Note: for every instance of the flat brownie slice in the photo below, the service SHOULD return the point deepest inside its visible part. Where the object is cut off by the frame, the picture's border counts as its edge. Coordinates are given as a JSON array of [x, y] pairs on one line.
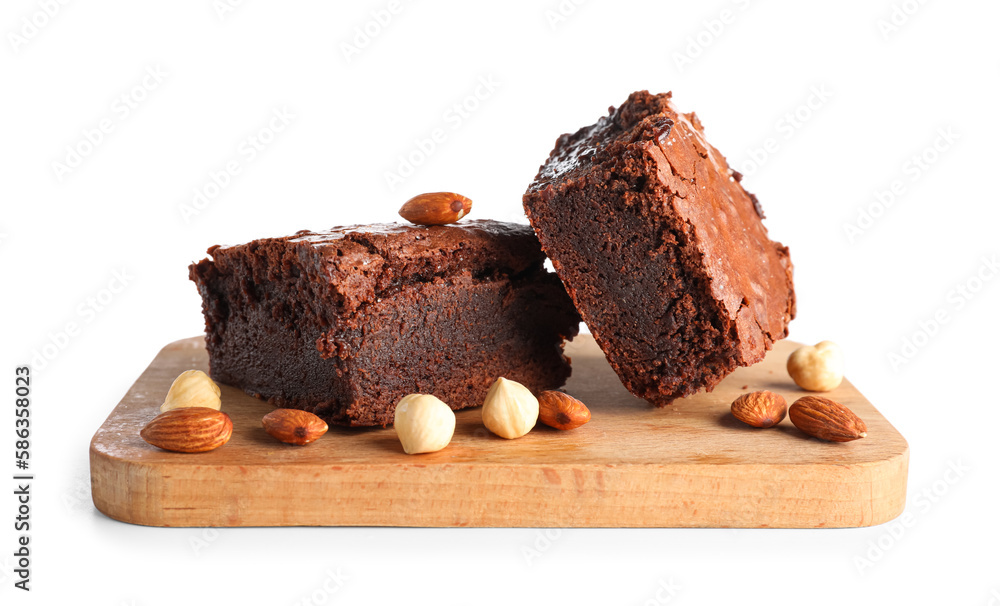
[[661, 249], [345, 322]]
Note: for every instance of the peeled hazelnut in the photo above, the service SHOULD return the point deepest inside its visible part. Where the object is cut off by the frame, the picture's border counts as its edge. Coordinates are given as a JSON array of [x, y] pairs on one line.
[[423, 423], [193, 388], [510, 410], [817, 368]]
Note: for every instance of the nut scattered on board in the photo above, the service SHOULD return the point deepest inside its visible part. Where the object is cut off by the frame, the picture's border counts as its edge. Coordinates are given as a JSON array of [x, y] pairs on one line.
[[825, 419], [293, 426], [817, 367], [438, 208], [510, 410], [760, 408], [423, 423], [192, 388], [191, 429], [562, 411]]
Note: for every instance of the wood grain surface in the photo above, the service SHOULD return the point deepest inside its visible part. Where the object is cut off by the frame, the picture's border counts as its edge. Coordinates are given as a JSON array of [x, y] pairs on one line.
[[690, 464]]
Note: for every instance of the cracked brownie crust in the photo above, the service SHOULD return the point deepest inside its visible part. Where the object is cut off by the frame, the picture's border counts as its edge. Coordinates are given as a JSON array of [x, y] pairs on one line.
[[345, 322], [661, 249]]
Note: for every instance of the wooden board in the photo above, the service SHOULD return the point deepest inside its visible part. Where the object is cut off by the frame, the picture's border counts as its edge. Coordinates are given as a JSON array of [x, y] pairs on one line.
[[690, 464]]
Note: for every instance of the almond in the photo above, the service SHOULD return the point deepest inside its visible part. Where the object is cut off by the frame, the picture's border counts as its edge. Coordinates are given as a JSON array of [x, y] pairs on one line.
[[192, 429], [827, 420], [561, 411], [439, 208], [293, 426], [760, 408]]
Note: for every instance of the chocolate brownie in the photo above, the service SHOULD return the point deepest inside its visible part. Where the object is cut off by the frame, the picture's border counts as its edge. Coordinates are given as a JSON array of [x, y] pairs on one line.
[[347, 321], [661, 249]]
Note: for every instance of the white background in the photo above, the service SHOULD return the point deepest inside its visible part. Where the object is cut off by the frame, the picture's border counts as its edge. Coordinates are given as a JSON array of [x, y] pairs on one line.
[[880, 94]]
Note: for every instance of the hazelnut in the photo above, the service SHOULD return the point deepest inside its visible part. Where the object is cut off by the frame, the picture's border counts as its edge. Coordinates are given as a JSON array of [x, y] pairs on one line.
[[423, 423], [817, 368], [510, 410], [192, 388]]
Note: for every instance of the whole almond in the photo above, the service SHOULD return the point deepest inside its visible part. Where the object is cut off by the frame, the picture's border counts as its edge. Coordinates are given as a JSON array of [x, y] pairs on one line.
[[192, 429], [561, 411], [760, 408], [293, 426], [439, 208], [827, 420]]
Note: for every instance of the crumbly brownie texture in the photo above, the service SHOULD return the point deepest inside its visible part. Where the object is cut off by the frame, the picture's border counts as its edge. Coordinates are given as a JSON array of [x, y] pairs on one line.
[[345, 322], [661, 249]]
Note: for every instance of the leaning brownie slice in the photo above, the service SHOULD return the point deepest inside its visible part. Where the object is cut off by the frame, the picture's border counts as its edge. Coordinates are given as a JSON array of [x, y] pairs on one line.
[[661, 249], [345, 322]]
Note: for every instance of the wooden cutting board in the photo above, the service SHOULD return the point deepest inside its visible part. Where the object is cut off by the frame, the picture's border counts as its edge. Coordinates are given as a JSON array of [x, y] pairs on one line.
[[690, 464]]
